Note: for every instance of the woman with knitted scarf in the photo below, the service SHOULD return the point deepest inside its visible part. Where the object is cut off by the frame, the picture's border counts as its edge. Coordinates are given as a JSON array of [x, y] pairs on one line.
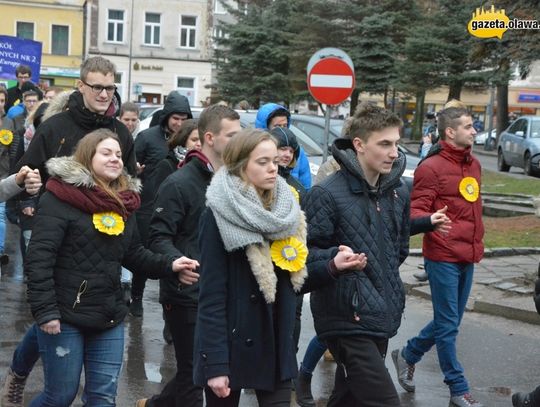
[[253, 253], [84, 233]]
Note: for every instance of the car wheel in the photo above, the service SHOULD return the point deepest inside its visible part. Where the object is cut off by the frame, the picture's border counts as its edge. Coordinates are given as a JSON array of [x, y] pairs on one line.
[[527, 166], [501, 164]]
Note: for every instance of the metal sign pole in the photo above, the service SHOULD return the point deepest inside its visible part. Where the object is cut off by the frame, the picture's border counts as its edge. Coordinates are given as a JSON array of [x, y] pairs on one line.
[[326, 132]]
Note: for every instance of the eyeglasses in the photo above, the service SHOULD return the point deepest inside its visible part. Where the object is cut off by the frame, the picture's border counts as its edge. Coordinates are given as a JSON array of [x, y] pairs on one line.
[[97, 89]]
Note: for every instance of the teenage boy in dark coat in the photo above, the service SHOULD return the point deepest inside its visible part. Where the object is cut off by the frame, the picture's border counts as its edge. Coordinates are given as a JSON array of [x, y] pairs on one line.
[[362, 209], [150, 148], [174, 230]]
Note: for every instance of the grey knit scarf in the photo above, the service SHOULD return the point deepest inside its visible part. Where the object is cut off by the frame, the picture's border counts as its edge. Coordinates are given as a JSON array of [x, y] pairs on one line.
[[241, 218]]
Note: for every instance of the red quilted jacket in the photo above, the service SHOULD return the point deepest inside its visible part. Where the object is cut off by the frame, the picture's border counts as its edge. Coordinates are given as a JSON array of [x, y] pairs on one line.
[[436, 184]]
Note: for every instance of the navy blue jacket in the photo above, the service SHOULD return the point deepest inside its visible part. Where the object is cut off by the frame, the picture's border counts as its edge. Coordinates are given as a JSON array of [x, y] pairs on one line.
[[237, 333]]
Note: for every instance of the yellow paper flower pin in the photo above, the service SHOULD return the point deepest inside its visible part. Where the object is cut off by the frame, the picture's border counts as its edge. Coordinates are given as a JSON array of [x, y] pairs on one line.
[[109, 223], [469, 189], [289, 254], [295, 193], [6, 137]]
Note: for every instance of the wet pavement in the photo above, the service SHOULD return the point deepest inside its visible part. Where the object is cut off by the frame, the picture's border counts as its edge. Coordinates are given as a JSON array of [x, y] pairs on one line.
[[500, 355]]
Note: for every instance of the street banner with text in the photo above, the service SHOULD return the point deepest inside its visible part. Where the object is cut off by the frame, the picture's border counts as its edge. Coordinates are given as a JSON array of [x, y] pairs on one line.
[[17, 51]]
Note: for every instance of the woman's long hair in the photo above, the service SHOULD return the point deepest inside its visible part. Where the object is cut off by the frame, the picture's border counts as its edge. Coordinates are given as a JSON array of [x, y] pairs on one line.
[[181, 137], [236, 156], [84, 153]]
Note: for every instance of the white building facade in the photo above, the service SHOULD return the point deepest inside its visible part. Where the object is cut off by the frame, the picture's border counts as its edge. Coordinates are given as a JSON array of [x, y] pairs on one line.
[[157, 46]]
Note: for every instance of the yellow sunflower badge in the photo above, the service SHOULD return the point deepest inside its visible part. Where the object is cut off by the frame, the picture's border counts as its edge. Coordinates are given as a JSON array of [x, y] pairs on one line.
[[469, 189], [109, 223], [289, 254], [295, 193], [6, 137]]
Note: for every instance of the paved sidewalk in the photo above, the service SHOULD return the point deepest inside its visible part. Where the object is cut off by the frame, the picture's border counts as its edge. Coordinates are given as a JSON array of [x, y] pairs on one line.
[[503, 284]]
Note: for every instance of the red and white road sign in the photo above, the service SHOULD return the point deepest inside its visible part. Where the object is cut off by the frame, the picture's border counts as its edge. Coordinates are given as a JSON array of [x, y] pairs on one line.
[[331, 80]]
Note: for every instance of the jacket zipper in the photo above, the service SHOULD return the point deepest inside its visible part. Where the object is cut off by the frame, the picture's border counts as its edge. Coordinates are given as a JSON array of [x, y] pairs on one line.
[[82, 290], [380, 244]]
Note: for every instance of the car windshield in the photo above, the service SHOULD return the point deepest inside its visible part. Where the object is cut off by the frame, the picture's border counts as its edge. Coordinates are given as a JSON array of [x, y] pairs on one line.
[[535, 128]]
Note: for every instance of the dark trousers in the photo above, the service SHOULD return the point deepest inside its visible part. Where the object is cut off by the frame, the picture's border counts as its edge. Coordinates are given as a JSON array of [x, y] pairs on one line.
[[280, 397], [298, 320], [138, 281], [180, 390], [535, 397], [362, 379]]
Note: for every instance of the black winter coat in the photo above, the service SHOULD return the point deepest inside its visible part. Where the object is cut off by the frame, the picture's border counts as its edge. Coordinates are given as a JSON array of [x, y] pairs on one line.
[[59, 135], [74, 270], [236, 333], [343, 210], [151, 147], [174, 228]]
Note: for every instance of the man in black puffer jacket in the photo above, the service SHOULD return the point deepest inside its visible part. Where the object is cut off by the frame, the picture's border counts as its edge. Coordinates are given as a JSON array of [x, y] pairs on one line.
[[150, 148], [358, 229]]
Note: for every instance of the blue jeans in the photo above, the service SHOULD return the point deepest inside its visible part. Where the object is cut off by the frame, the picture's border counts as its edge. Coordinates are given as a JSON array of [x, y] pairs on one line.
[[450, 285], [27, 353], [2, 226], [63, 357], [314, 352]]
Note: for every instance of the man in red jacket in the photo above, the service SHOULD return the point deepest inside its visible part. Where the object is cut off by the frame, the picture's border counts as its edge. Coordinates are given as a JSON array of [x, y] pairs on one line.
[[449, 176]]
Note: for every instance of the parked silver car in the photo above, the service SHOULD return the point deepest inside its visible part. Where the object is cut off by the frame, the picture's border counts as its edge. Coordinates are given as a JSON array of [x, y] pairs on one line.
[[518, 143]]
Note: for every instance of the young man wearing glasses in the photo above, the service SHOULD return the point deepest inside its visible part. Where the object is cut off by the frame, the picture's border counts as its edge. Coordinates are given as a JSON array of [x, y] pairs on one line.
[[92, 106], [24, 74]]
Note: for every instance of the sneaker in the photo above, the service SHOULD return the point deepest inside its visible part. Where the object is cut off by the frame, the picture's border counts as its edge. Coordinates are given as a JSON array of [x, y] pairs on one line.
[[136, 308], [521, 400], [465, 400], [141, 403], [405, 372], [421, 276], [12, 391]]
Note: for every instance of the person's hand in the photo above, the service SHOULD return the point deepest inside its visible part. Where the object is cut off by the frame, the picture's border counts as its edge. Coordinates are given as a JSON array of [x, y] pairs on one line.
[[21, 175], [220, 386], [346, 259], [32, 182], [440, 221], [185, 267], [51, 327], [140, 168], [28, 211]]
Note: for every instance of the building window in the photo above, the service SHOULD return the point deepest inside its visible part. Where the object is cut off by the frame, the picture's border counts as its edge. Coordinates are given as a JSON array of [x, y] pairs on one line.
[[186, 86], [152, 26], [115, 26], [219, 8], [25, 30], [188, 30], [60, 40]]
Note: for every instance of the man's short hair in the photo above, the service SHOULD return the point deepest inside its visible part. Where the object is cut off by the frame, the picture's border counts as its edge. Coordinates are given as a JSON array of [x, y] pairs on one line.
[[281, 112], [30, 93], [210, 119], [129, 107], [368, 118], [23, 69], [450, 115], [97, 64]]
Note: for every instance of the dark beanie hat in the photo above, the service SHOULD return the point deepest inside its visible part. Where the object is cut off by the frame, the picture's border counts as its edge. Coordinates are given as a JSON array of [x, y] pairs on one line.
[[286, 138]]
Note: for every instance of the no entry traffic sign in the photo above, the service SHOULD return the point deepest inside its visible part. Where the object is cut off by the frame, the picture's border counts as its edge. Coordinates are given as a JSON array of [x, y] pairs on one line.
[[330, 77]]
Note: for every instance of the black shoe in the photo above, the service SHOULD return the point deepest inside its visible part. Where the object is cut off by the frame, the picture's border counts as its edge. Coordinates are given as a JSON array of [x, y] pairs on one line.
[[167, 336], [136, 308], [302, 386], [126, 292], [521, 400], [4, 259]]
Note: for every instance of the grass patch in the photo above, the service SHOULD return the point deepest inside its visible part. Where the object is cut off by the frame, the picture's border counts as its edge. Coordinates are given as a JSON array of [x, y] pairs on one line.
[[520, 231], [500, 183]]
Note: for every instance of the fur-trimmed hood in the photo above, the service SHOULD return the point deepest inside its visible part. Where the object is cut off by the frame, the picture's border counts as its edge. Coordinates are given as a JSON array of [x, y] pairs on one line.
[[57, 104], [74, 173]]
